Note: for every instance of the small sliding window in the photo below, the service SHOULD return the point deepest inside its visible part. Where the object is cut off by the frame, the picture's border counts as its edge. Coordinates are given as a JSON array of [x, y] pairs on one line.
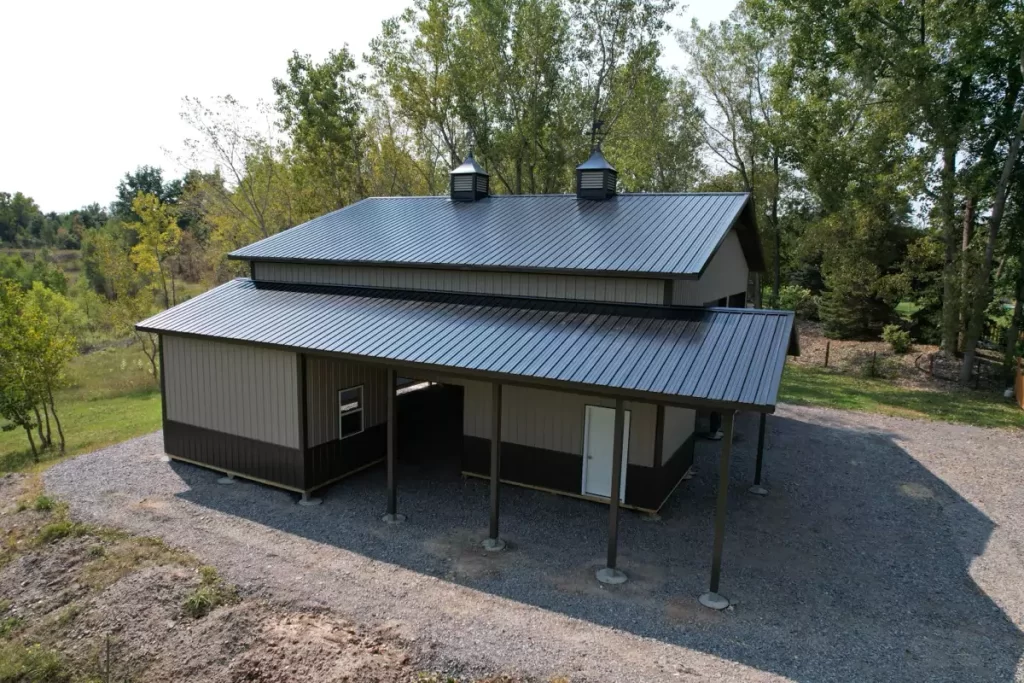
[[350, 412]]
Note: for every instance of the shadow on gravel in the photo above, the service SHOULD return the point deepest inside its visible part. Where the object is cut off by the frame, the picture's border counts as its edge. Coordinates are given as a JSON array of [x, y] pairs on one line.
[[854, 568]]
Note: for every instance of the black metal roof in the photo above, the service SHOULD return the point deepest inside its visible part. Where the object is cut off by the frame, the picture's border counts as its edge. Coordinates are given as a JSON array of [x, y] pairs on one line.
[[596, 162], [687, 356], [468, 167], [652, 235]]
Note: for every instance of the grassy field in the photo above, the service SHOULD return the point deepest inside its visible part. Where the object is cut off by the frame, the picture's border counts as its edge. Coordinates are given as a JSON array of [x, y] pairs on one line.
[[820, 387], [112, 397]]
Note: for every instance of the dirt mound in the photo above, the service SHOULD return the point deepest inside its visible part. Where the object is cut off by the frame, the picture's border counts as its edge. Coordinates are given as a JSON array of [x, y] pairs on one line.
[[113, 607]]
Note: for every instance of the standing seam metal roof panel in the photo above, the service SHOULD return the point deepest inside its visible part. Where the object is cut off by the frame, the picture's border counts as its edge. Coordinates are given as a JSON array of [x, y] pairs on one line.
[[722, 357], [656, 235]]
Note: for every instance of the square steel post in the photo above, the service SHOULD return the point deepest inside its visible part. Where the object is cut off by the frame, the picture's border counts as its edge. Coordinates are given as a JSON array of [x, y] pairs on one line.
[[757, 489], [610, 574], [712, 599], [493, 542], [392, 515]]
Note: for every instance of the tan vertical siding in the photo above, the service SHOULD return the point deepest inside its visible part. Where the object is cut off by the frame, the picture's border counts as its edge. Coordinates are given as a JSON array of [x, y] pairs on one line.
[[679, 426], [727, 274], [552, 420], [325, 377], [540, 285], [232, 388]]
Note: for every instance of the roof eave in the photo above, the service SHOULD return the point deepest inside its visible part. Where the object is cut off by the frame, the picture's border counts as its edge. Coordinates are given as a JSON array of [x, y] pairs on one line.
[[654, 275], [505, 378]]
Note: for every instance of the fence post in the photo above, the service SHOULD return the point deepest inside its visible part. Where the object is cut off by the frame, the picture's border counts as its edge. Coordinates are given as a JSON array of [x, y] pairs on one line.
[[828, 349]]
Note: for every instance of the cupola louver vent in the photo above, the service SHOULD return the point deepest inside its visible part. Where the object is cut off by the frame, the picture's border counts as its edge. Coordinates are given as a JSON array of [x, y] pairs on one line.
[[469, 182], [595, 177]]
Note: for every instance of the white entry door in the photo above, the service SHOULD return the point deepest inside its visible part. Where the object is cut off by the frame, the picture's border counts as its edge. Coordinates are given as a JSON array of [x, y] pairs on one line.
[[598, 436]]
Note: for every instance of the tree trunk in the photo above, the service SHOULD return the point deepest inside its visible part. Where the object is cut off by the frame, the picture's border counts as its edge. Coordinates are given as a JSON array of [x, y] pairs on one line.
[[982, 288], [53, 409], [151, 354], [1013, 333], [965, 268], [950, 293], [39, 427], [49, 434], [778, 234], [31, 442]]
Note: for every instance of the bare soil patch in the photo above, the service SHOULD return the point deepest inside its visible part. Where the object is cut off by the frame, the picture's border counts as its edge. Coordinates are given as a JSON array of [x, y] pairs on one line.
[[915, 369], [110, 606]]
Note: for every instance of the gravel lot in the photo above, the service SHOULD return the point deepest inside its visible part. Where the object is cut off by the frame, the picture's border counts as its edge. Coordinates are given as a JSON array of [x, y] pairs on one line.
[[888, 549]]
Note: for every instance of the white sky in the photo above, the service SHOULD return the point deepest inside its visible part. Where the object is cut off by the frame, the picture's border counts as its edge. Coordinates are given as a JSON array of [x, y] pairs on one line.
[[92, 90]]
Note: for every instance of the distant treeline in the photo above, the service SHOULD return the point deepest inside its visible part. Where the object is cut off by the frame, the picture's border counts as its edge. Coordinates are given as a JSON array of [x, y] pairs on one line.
[[881, 142]]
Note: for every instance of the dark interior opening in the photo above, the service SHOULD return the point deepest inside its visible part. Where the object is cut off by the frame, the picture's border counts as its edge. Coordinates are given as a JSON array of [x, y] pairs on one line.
[[430, 424]]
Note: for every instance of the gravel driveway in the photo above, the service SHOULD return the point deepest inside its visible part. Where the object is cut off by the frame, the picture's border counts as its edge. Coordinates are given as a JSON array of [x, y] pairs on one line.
[[888, 549]]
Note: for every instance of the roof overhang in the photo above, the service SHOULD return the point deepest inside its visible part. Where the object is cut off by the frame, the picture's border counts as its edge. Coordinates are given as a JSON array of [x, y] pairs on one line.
[[745, 225], [693, 357], [643, 235]]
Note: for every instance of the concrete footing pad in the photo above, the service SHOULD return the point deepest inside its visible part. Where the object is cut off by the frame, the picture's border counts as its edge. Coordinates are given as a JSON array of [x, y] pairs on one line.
[[758, 490], [309, 501], [611, 576], [396, 518], [165, 458], [713, 601], [226, 480], [493, 545]]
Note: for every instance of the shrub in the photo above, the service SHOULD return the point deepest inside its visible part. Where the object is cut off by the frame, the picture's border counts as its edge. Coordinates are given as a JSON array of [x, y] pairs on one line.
[[794, 298], [9, 625], [210, 594], [201, 601], [897, 338], [43, 502], [55, 531]]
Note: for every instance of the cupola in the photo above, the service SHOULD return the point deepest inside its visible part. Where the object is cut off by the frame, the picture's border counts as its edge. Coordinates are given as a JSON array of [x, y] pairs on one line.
[[469, 181], [595, 177]]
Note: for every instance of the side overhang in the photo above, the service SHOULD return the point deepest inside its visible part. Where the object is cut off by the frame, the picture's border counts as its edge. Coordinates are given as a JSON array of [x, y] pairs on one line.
[[691, 357], [745, 225]]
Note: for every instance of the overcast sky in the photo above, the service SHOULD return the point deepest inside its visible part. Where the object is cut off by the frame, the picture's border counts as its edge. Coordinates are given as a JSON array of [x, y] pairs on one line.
[[93, 89]]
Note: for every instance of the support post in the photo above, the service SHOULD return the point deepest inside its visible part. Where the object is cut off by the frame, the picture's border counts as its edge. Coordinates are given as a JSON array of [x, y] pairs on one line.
[[712, 599], [392, 516], [610, 574], [757, 489], [493, 541]]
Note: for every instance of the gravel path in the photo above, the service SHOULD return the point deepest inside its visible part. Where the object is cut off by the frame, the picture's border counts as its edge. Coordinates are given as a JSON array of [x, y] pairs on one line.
[[888, 549]]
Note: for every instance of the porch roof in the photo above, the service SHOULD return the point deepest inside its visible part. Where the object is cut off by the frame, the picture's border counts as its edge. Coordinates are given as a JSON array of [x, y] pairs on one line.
[[714, 357]]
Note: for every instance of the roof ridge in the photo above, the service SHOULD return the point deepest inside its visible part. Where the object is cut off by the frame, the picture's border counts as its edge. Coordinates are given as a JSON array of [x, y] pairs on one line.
[[558, 195]]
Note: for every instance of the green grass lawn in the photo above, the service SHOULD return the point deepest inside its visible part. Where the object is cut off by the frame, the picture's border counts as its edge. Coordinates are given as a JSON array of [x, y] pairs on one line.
[[906, 309], [112, 397], [819, 387]]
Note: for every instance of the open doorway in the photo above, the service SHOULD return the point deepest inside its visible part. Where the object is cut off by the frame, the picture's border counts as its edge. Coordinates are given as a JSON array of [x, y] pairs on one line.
[[429, 422]]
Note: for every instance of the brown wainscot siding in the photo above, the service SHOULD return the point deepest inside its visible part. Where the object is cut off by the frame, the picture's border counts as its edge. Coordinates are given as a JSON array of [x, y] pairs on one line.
[[233, 408]]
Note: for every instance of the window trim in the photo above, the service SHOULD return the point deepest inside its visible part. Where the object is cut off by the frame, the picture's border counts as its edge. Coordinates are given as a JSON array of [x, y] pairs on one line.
[[361, 410]]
